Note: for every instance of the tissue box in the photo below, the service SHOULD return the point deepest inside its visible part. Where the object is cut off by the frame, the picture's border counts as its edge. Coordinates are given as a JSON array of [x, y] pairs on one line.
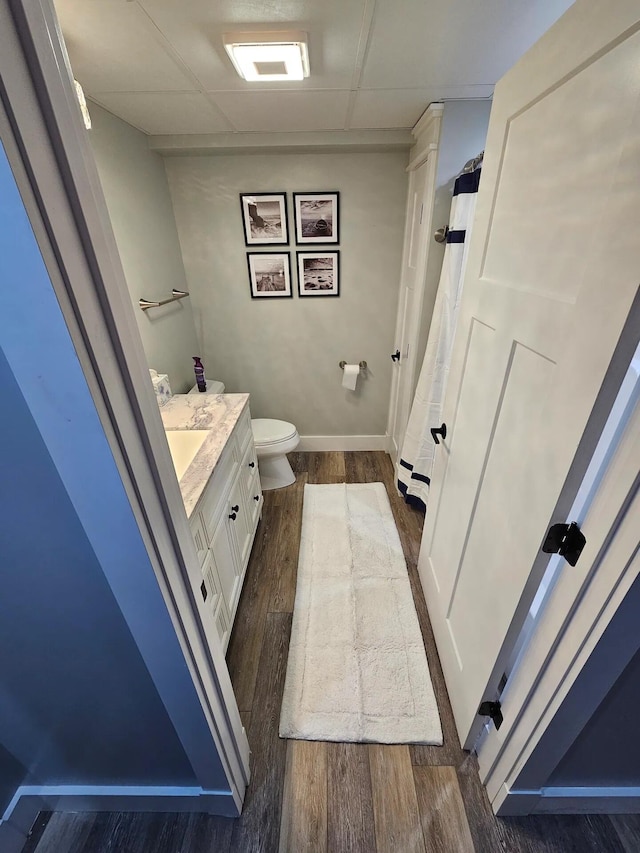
[[160, 382]]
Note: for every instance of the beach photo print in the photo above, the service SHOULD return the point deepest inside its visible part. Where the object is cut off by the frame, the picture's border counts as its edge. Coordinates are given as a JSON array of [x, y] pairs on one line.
[[269, 274], [264, 216], [316, 217], [318, 273]]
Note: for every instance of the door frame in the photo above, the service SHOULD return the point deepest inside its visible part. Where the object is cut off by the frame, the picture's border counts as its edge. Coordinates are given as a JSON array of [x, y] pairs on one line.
[[64, 199], [427, 135], [54, 167], [572, 622]]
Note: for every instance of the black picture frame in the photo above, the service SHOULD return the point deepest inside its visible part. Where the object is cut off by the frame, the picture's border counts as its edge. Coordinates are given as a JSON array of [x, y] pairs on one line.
[[318, 273], [264, 219], [317, 217], [265, 269]]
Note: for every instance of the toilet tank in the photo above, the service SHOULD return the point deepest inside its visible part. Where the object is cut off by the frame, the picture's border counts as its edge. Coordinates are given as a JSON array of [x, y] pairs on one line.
[[213, 387]]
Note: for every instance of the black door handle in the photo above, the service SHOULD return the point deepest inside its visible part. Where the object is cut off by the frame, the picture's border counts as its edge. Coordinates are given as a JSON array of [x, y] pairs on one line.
[[395, 356], [233, 516], [436, 431]]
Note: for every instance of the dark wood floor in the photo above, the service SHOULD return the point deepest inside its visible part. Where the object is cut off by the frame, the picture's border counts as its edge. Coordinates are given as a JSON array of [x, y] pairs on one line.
[[340, 798]]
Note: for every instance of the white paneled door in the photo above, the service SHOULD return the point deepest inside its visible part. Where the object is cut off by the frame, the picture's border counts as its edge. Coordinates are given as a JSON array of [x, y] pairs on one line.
[[417, 236], [548, 323]]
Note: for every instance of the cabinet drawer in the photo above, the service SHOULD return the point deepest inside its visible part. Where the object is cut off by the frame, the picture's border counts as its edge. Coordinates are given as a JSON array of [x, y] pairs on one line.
[[254, 498], [250, 460]]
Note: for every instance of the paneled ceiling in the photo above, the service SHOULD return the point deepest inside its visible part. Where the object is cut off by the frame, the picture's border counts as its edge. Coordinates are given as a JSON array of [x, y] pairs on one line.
[[161, 66]]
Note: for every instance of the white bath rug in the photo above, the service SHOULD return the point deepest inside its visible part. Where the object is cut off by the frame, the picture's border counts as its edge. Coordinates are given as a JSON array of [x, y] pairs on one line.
[[357, 668]]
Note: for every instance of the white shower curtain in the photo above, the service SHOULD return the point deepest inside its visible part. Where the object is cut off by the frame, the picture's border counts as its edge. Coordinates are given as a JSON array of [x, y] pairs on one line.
[[418, 449]]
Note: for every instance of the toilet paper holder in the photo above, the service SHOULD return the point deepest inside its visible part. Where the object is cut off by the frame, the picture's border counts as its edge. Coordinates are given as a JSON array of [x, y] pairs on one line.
[[362, 365]]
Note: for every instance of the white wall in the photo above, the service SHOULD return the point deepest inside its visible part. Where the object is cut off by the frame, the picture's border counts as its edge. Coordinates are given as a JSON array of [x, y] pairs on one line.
[[137, 195], [285, 352]]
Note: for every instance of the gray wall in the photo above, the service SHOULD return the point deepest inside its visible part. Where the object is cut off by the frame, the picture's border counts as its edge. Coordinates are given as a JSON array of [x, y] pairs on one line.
[[462, 136], [285, 352], [76, 701], [137, 195]]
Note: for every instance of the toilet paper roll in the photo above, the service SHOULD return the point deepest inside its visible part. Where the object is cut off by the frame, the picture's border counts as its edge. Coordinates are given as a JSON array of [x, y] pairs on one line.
[[350, 376]]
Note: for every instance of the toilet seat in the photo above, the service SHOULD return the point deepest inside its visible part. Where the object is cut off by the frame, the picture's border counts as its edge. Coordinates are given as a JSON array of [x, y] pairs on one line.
[[267, 431]]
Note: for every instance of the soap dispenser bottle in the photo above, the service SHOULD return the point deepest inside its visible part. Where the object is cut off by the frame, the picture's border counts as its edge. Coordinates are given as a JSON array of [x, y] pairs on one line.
[[198, 369]]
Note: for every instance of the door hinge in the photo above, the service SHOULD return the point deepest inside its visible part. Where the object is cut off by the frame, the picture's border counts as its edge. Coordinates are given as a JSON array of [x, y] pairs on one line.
[[493, 710], [566, 540]]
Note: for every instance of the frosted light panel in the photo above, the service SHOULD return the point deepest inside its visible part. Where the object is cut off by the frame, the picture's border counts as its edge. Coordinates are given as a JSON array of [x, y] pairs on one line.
[[247, 56]]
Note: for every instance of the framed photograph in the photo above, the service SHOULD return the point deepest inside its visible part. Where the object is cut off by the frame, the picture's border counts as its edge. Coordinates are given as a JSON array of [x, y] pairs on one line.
[[264, 216], [316, 217], [318, 273], [269, 274]]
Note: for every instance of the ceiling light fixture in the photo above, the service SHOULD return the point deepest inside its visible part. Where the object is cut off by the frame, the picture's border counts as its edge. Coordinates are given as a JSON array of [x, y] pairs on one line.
[[269, 57]]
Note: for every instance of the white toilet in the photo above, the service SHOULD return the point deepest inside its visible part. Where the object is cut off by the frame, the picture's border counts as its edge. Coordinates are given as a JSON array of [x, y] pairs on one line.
[[273, 440]]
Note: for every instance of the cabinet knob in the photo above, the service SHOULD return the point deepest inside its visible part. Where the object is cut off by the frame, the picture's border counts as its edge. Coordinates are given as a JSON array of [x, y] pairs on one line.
[[256, 497], [252, 464], [235, 508], [233, 516], [395, 356]]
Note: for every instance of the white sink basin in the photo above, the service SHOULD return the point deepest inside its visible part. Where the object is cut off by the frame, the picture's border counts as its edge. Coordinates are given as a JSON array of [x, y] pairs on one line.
[[183, 446]]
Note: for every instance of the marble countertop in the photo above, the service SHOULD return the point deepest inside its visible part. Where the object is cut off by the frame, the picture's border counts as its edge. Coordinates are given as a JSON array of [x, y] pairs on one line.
[[216, 412]]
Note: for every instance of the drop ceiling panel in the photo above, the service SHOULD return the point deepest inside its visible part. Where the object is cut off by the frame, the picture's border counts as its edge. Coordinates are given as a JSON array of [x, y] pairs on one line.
[[284, 111], [165, 112], [195, 28], [453, 42], [393, 56], [376, 108], [113, 47]]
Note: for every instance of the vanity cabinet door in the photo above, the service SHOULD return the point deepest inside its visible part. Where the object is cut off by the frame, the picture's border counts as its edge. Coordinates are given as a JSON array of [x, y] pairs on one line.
[[199, 538], [241, 524], [226, 558], [210, 587], [223, 623]]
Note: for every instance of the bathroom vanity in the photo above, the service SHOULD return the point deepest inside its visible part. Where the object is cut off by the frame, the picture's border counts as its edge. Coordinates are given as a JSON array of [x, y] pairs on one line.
[[213, 451]]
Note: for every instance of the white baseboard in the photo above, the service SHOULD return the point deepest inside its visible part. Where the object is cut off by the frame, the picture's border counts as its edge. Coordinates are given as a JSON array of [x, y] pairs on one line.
[[342, 442], [574, 800], [30, 799]]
